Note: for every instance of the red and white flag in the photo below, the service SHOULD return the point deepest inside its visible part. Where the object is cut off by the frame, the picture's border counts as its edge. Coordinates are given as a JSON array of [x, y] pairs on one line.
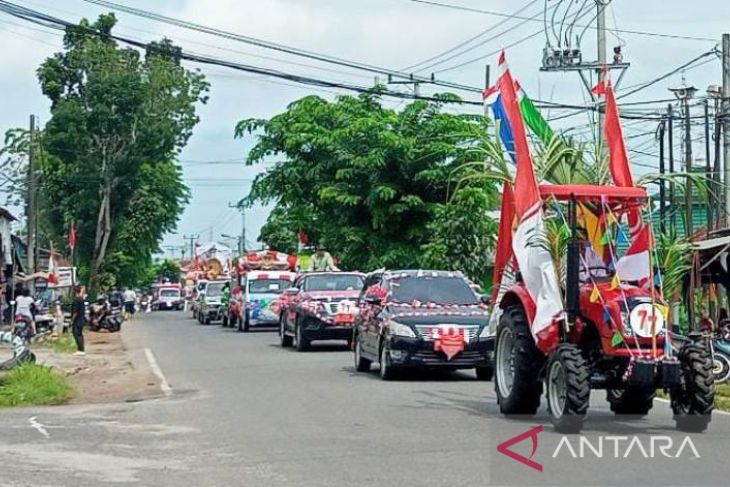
[[618, 156], [635, 264], [535, 262], [72, 235]]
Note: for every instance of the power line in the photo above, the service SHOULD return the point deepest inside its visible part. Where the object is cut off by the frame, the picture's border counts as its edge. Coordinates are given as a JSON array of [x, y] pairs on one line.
[[277, 47], [470, 40], [500, 14]]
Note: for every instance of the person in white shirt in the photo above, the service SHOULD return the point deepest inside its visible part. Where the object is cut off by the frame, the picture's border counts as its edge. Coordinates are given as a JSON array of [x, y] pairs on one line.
[[130, 299], [24, 307]]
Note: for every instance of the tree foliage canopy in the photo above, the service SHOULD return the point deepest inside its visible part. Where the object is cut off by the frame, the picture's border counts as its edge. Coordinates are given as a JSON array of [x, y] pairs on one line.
[[369, 181], [118, 121]]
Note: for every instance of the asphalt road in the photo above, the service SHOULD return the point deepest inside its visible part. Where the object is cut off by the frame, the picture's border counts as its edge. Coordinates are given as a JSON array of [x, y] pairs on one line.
[[244, 412]]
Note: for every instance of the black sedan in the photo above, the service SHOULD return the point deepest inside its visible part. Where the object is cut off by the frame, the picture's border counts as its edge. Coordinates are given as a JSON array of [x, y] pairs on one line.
[[419, 318]]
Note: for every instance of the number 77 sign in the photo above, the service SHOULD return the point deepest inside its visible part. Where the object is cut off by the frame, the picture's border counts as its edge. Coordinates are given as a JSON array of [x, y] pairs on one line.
[[646, 320]]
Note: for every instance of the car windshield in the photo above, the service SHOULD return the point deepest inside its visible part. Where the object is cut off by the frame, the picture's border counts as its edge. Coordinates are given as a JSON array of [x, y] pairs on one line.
[[333, 282], [214, 289], [268, 286], [439, 290], [169, 293]]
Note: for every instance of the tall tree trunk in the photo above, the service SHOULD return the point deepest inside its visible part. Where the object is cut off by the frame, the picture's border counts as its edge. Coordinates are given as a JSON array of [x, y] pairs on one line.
[[101, 240]]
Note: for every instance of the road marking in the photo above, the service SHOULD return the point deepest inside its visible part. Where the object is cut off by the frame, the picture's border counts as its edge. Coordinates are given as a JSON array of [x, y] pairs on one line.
[[166, 389], [39, 427], [714, 411]]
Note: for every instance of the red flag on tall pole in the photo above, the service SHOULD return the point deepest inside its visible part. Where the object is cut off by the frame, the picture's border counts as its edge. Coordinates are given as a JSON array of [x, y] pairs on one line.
[[72, 235], [618, 156]]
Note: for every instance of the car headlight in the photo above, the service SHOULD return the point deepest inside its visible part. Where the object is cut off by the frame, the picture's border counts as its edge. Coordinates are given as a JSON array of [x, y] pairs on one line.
[[401, 330]]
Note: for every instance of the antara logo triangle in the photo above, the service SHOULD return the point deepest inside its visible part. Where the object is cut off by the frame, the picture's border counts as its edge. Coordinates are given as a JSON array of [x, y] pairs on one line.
[[504, 448]]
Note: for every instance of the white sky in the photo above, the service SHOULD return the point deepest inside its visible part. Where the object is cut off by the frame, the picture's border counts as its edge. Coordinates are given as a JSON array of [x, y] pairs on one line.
[[387, 33]]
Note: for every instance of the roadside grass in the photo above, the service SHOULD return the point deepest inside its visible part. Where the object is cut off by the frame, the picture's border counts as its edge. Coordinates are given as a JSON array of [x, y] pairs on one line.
[[722, 396], [63, 344], [34, 385]]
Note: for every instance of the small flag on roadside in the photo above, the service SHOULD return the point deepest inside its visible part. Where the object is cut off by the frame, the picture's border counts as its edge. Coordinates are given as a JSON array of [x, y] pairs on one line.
[[72, 235], [617, 339]]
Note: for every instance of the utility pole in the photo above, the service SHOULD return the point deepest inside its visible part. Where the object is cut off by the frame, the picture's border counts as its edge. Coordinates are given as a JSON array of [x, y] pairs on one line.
[[32, 205], [708, 163], [726, 118], [662, 170], [670, 145], [601, 46], [192, 239], [684, 94], [243, 225]]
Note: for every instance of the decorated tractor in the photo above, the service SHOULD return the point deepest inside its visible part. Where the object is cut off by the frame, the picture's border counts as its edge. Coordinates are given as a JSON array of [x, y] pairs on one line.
[[579, 303]]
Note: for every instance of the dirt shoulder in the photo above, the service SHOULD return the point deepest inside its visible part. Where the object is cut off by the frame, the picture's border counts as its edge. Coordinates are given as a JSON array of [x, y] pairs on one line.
[[115, 368]]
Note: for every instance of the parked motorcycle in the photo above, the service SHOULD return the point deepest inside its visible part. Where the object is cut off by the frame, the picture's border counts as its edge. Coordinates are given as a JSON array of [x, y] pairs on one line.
[[105, 316], [720, 347]]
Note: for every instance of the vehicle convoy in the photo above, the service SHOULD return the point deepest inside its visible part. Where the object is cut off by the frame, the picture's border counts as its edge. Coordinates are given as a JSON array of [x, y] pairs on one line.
[[421, 319], [611, 334], [320, 306], [209, 302], [256, 302]]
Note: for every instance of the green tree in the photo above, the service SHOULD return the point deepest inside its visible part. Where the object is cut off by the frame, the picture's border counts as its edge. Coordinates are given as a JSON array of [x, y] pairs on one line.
[[168, 269], [118, 121], [363, 179]]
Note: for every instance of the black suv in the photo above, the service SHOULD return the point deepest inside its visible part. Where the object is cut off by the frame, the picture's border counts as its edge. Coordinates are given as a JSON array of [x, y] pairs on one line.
[[419, 318]]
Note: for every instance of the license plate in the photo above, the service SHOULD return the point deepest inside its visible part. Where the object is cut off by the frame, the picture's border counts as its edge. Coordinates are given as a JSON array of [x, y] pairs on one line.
[[344, 319]]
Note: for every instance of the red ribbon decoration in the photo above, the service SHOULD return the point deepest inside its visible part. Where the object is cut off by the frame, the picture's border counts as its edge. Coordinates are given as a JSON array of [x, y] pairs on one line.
[[450, 342]]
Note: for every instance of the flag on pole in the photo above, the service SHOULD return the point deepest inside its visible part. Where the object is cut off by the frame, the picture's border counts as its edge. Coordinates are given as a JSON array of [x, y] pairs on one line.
[[504, 240], [634, 265], [534, 261], [72, 235], [618, 156], [531, 115]]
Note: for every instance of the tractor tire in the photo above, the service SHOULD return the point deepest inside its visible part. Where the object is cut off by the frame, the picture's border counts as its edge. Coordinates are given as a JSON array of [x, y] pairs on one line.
[[517, 364], [693, 400], [568, 389], [631, 401]]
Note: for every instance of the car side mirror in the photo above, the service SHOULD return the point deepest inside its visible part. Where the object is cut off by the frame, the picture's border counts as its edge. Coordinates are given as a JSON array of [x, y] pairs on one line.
[[486, 299]]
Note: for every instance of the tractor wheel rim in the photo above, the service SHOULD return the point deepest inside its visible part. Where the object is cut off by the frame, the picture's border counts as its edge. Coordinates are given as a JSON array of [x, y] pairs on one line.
[[505, 362], [557, 390]]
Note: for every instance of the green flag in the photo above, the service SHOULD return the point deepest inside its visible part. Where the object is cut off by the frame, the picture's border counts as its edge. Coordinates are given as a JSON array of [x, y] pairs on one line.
[[534, 119]]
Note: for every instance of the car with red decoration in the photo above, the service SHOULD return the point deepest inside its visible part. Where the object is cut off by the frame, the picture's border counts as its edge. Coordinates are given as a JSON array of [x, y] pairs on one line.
[[320, 306], [422, 318]]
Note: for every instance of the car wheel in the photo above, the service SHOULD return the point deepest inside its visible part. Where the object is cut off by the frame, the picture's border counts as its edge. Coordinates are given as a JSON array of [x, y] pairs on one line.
[[387, 370], [361, 364], [286, 340], [302, 343], [246, 324], [485, 373]]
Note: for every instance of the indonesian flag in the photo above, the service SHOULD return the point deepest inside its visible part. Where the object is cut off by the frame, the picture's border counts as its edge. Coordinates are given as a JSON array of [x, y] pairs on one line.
[[504, 241], [618, 156], [635, 265], [535, 263], [72, 235]]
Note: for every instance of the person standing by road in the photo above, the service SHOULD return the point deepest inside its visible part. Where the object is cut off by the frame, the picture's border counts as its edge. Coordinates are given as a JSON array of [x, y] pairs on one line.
[[130, 300], [321, 261], [78, 317]]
